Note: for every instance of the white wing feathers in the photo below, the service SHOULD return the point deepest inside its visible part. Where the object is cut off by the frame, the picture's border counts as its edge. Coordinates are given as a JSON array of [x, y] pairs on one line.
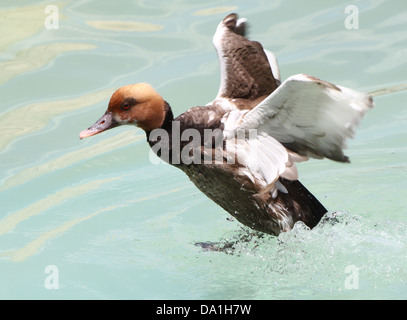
[[261, 157], [310, 116], [273, 65], [304, 117]]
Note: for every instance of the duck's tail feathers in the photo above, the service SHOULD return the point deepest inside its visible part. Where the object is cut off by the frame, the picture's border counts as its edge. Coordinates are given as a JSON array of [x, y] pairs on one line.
[[303, 205]]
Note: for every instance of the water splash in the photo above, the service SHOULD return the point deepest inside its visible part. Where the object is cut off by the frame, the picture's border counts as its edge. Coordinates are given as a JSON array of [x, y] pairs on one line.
[[316, 262]]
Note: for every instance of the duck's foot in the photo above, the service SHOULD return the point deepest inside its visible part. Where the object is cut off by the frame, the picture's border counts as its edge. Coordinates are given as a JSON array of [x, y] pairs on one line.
[[228, 246]]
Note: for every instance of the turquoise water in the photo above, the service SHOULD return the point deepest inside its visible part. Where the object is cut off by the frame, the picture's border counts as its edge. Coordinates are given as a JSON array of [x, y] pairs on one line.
[[95, 219]]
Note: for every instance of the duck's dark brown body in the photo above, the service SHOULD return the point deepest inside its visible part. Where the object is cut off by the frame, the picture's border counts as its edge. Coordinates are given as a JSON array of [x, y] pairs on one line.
[[256, 211], [236, 193]]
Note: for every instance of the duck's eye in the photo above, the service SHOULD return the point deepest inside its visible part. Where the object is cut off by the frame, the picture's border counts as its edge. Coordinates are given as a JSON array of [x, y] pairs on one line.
[[128, 103]]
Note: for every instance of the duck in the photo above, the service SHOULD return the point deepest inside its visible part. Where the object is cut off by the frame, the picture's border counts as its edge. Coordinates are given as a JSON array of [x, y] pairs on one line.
[[241, 149]]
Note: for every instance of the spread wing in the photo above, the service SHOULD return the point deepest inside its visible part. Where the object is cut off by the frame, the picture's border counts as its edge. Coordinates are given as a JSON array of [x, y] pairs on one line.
[[311, 117], [244, 64], [302, 117]]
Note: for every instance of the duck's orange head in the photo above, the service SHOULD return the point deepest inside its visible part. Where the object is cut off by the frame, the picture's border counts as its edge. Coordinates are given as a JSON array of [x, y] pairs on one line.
[[137, 104]]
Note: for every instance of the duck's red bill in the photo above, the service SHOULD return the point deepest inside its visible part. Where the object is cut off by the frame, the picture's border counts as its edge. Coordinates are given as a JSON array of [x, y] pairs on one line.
[[104, 123]]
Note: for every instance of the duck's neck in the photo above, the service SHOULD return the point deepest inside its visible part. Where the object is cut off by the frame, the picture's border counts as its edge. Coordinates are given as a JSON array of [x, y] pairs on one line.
[[169, 117], [160, 139], [167, 123]]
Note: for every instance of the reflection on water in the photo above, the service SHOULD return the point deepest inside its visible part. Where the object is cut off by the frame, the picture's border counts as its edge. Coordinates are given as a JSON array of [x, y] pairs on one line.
[[117, 225], [19, 23], [216, 10], [107, 145], [124, 26], [12, 220], [37, 57], [34, 117], [35, 245]]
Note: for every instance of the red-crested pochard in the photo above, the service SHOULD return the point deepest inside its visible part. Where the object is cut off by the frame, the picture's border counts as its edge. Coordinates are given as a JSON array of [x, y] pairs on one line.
[[240, 149]]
